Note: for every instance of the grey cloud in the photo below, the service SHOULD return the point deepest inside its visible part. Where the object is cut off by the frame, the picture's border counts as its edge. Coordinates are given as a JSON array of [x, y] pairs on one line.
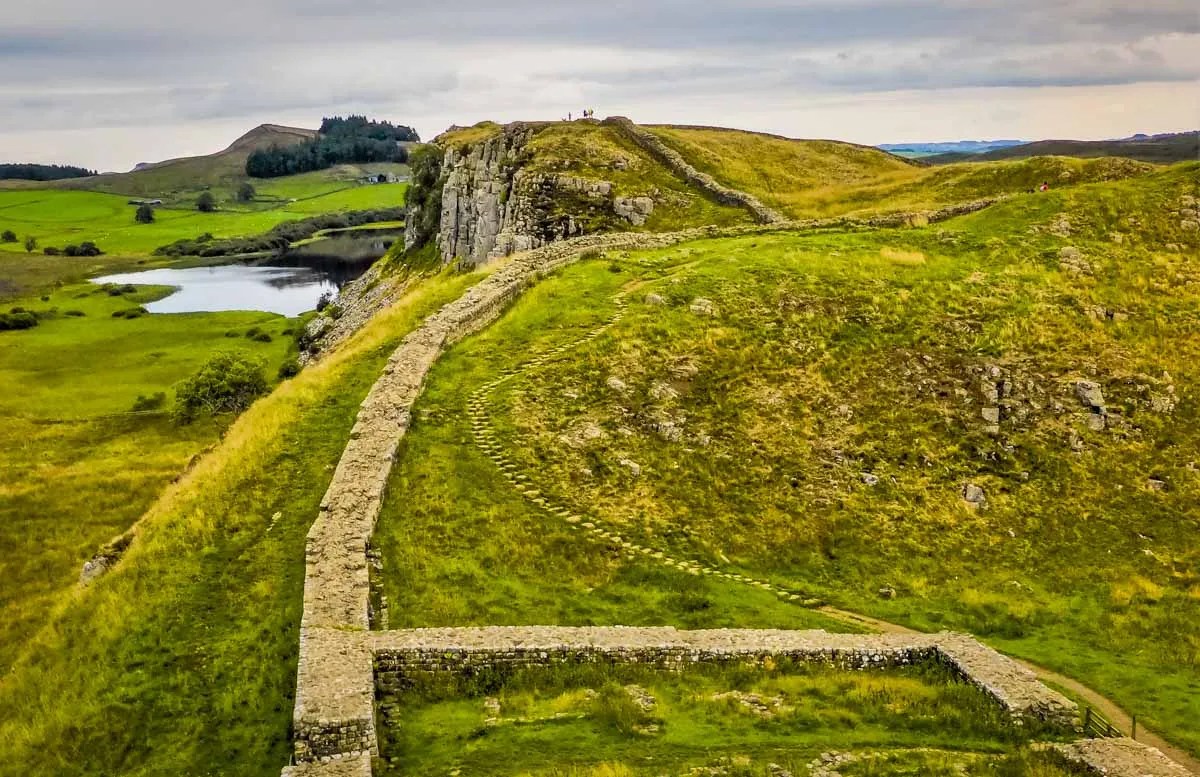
[[142, 61]]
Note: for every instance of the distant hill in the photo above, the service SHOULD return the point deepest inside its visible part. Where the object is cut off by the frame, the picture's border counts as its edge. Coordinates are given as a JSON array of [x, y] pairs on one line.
[[918, 150], [1162, 149], [179, 178]]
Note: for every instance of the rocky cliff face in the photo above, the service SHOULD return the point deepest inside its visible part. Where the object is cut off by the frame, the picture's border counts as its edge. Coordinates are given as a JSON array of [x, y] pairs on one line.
[[492, 205]]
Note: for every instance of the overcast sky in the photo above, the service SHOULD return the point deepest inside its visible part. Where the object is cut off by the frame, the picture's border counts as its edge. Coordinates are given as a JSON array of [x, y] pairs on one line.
[[110, 84]]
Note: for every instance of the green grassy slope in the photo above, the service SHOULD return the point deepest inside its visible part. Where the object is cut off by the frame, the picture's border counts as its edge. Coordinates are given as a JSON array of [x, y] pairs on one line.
[[78, 468], [629, 720], [183, 660], [814, 178], [819, 428]]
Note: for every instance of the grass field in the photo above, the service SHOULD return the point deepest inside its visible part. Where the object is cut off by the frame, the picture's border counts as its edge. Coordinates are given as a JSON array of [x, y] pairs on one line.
[[182, 660], [627, 721], [818, 178], [79, 468], [59, 218], [816, 424]]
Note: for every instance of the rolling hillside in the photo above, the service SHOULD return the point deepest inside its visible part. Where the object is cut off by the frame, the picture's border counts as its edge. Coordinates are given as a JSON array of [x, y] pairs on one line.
[[1160, 149]]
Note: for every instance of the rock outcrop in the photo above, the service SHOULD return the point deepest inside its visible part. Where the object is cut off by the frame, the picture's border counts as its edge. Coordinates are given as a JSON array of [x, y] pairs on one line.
[[493, 206]]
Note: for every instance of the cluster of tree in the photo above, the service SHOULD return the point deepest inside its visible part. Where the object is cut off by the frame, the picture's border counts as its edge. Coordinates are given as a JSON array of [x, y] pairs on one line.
[[361, 126], [353, 140], [280, 237], [86, 248], [30, 172], [144, 214]]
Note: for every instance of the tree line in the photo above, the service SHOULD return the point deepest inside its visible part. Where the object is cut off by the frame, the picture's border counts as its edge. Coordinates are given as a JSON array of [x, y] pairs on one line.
[[32, 172], [350, 140]]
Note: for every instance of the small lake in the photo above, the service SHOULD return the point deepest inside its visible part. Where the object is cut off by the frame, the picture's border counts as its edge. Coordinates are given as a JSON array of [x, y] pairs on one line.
[[288, 291], [288, 284]]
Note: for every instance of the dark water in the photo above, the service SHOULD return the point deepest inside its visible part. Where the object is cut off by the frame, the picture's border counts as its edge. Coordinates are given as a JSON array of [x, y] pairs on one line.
[[289, 284]]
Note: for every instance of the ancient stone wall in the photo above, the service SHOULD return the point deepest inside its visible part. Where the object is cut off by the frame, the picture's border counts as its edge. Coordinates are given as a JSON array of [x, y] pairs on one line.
[[651, 143], [1121, 757], [404, 656]]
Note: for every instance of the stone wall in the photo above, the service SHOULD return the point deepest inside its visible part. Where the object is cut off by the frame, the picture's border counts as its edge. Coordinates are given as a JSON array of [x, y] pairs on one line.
[[654, 146], [1121, 757], [403, 656]]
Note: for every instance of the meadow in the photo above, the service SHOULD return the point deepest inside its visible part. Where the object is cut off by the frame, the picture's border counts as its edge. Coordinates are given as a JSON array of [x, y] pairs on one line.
[[737, 720], [59, 218], [182, 660], [78, 466], [813, 410]]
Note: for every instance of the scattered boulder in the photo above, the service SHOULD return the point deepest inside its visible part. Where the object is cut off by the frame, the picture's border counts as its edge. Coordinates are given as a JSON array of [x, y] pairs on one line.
[[1072, 260], [634, 468], [105, 558], [1091, 396], [974, 495], [662, 391], [616, 384], [655, 300], [703, 307], [887, 592], [869, 478]]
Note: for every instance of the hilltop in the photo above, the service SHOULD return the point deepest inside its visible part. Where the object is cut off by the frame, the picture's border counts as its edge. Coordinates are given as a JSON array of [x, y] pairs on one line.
[[487, 190]]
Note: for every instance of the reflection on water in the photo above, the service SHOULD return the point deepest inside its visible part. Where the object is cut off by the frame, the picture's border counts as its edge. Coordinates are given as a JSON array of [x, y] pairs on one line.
[[289, 291], [291, 284]]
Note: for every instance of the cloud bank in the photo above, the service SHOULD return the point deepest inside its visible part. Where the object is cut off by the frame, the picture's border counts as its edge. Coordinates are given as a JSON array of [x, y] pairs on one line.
[[132, 80]]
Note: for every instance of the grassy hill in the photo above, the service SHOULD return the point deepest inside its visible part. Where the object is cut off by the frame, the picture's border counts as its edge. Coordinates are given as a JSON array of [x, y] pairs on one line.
[[178, 181], [1160, 149], [900, 422], [819, 411], [819, 178]]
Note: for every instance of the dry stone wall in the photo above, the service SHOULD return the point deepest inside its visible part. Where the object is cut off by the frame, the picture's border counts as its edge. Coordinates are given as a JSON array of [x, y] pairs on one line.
[[402, 656], [1121, 757], [651, 143]]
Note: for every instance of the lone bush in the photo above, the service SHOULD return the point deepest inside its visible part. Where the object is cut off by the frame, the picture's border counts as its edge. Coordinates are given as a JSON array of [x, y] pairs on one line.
[[206, 203], [19, 319], [227, 383], [289, 369], [153, 402], [8, 236], [144, 214]]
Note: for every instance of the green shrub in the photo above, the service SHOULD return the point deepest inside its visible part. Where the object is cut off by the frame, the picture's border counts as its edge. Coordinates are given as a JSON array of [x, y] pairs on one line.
[[75, 313], [51, 251], [8, 236], [289, 369], [233, 333], [20, 320], [153, 402], [227, 383], [137, 312], [261, 337]]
